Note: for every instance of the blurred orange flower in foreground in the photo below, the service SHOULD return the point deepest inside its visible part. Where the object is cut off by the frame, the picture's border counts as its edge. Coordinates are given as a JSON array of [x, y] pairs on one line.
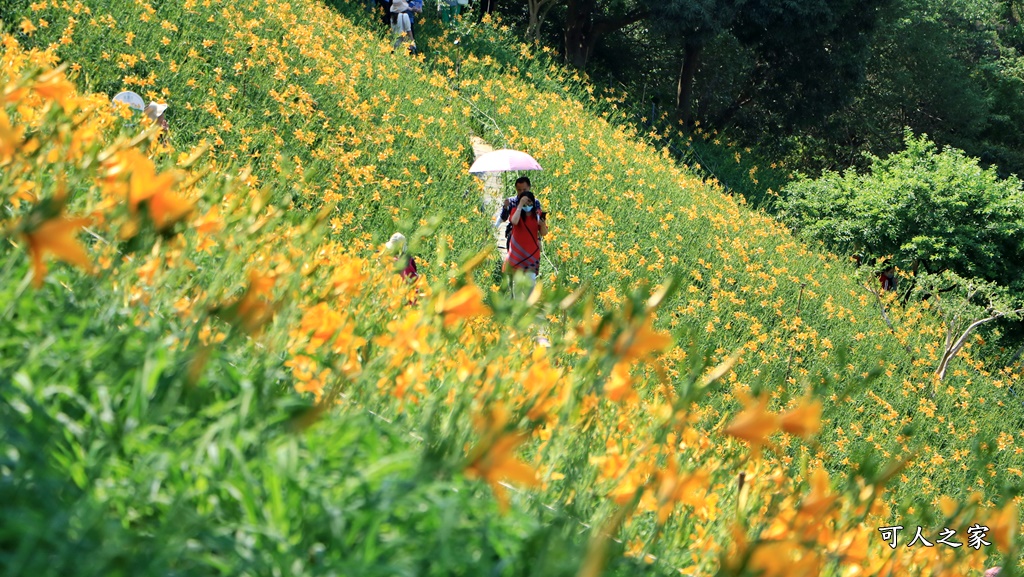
[[499, 463], [637, 344], [755, 424], [819, 500], [1003, 526], [57, 237], [805, 420], [494, 460], [253, 309], [465, 303], [10, 138], [54, 86]]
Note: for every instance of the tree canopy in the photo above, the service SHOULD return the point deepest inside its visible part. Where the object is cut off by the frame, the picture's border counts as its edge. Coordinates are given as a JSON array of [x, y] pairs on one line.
[[923, 209], [814, 83]]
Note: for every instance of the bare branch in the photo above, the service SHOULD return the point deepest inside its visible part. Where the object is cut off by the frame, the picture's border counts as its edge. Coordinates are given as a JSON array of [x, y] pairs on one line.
[[951, 352]]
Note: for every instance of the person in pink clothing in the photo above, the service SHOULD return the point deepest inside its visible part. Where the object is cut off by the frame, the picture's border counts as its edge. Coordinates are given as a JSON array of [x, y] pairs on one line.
[[529, 225]]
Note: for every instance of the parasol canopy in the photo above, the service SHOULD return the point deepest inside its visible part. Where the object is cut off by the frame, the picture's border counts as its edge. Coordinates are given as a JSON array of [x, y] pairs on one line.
[[504, 160]]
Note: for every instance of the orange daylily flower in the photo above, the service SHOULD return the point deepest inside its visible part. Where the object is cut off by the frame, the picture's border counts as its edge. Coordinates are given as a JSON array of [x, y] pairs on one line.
[[145, 183], [258, 292], [805, 420], [117, 164], [619, 386], [674, 488], [13, 94], [57, 237], [27, 27], [498, 463], [252, 310], [948, 506], [210, 222], [349, 274], [54, 86], [852, 548], [10, 138], [465, 303], [819, 500], [1003, 527], [167, 208], [637, 344], [784, 559], [754, 424]]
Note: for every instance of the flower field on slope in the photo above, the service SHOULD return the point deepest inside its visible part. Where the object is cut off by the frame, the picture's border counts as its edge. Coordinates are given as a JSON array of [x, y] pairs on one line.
[[244, 243]]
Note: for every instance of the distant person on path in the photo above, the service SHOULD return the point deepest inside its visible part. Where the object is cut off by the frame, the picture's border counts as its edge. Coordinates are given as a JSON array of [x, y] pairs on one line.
[[522, 185], [401, 23], [155, 111], [415, 7], [529, 225]]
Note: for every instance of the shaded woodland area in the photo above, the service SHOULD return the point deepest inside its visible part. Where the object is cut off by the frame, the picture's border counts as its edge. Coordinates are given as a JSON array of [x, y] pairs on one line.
[[835, 91], [814, 83]]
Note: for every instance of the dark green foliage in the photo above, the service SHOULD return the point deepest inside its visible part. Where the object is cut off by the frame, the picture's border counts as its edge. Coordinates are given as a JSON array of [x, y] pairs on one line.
[[9, 9], [948, 69], [922, 209], [818, 83]]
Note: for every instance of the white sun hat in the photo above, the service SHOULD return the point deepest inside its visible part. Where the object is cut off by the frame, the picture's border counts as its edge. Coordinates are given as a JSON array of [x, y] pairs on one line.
[[397, 242], [155, 109], [133, 100]]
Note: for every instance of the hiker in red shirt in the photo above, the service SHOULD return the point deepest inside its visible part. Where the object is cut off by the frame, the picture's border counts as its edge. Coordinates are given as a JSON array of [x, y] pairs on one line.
[[528, 227], [887, 278]]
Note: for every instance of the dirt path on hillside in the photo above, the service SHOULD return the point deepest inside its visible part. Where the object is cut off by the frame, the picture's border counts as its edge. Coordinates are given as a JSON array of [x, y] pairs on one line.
[[492, 197]]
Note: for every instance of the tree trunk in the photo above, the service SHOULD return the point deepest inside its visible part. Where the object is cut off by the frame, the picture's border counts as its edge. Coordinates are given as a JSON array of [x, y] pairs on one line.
[[583, 30], [684, 86], [576, 18], [533, 28], [538, 11]]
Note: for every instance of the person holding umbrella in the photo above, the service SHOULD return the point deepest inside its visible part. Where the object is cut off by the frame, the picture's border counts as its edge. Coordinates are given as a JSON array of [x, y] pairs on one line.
[[521, 253], [529, 225]]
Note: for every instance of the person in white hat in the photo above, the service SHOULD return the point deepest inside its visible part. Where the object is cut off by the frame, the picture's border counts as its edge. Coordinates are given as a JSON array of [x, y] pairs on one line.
[[396, 246], [155, 111], [401, 24]]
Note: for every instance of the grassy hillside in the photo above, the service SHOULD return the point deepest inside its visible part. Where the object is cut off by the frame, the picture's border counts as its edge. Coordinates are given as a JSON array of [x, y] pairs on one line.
[[298, 143]]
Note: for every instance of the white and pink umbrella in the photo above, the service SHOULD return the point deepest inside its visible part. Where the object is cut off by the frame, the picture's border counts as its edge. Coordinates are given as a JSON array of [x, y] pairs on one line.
[[504, 160]]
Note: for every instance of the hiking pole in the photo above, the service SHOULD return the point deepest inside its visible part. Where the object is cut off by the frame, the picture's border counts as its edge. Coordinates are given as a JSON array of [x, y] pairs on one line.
[[545, 255]]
